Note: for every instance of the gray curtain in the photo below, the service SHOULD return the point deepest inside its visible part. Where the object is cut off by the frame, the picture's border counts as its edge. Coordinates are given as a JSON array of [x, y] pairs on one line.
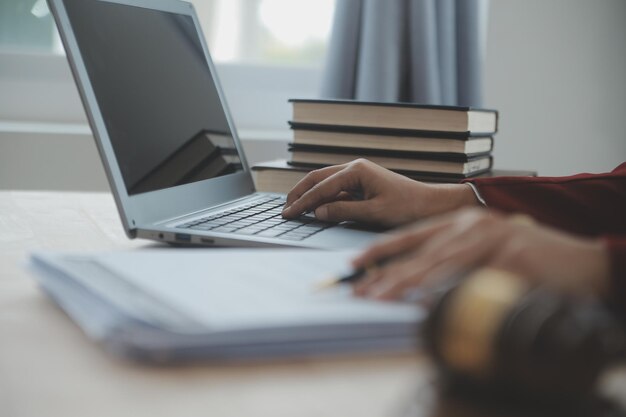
[[420, 51]]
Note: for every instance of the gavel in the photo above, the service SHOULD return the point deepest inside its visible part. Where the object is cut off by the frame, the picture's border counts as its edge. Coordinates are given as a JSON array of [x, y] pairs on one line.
[[491, 329]]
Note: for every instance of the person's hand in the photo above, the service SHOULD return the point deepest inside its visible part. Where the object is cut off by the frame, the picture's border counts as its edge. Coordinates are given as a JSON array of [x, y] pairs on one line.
[[365, 192], [472, 238]]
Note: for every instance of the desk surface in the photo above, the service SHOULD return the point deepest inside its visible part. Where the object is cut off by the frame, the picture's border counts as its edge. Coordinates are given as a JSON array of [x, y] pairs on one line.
[[49, 368]]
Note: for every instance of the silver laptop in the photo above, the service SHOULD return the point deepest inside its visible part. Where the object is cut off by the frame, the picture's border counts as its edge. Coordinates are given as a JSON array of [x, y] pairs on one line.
[[169, 146]]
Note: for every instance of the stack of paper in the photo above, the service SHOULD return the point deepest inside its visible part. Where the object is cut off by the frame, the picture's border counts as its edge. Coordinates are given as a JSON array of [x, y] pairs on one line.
[[164, 305]]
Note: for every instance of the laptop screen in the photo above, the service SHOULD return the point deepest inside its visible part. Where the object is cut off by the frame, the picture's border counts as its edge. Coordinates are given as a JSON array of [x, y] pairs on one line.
[[156, 94]]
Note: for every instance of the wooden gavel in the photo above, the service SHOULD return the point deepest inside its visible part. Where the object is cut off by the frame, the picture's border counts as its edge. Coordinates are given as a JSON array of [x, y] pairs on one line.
[[495, 330]]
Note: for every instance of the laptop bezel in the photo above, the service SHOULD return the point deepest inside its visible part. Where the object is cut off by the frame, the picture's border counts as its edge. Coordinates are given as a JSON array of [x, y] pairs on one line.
[[142, 210]]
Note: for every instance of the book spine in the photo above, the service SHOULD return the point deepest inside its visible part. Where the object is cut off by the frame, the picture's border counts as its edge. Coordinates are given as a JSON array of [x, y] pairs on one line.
[[364, 152], [382, 131]]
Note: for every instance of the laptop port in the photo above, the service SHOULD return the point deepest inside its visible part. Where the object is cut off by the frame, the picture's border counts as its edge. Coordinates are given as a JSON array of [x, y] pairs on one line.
[[182, 237]]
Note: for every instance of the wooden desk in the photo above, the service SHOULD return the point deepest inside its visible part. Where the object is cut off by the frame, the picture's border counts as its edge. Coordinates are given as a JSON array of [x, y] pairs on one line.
[[49, 368]]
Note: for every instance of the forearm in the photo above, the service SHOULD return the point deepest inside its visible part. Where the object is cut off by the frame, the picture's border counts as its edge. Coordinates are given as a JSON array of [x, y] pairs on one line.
[[616, 247]]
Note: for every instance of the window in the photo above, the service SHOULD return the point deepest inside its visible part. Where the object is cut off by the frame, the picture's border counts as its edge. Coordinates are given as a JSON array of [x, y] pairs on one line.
[[26, 26], [266, 51], [280, 32], [268, 32]]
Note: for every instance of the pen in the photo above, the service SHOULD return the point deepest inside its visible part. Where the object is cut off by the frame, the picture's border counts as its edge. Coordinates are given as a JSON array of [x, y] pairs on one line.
[[350, 278]]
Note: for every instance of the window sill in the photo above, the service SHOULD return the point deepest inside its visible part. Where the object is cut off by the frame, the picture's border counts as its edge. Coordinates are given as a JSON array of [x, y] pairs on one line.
[[80, 129], [69, 129], [48, 155], [40, 87]]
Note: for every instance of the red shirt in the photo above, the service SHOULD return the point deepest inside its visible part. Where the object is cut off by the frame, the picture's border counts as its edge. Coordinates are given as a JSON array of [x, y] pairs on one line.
[[585, 204]]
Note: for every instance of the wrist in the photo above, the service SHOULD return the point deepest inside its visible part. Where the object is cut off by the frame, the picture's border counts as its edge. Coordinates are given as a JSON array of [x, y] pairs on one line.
[[450, 197], [599, 268]]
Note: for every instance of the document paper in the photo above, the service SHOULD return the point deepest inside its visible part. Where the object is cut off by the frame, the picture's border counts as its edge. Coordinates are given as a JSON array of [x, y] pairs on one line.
[[221, 302]]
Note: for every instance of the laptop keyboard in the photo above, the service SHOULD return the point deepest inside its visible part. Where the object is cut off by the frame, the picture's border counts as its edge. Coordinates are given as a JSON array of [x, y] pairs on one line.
[[260, 218]]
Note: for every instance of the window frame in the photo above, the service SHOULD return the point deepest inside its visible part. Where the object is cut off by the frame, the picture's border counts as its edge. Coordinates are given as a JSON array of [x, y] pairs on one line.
[[39, 88]]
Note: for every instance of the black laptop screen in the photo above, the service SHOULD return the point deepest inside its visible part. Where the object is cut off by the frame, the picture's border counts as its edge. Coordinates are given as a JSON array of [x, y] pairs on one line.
[[156, 94]]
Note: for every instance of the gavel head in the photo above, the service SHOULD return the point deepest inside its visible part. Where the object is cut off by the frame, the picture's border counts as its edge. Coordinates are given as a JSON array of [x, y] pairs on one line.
[[494, 330]]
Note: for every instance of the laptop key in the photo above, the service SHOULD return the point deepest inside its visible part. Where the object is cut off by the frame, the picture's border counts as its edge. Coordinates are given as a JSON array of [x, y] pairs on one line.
[[273, 222], [224, 229], [298, 232], [284, 227], [203, 227], [234, 216], [271, 233], [242, 223], [248, 231], [309, 231], [293, 223], [291, 237]]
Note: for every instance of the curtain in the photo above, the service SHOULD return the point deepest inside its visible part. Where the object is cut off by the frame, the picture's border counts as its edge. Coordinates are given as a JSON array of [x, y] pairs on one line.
[[419, 51]]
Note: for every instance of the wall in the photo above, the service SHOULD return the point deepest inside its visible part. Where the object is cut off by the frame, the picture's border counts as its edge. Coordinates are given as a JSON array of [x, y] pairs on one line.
[[556, 70], [32, 160]]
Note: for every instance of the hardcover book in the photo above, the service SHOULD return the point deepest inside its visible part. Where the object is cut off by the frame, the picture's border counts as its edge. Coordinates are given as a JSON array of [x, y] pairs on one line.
[[458, 164], [390, 139], [280, 177], [395, 116]]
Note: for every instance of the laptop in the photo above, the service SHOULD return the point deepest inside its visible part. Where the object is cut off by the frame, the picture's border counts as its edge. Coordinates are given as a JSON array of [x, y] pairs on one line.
[[170, 149]]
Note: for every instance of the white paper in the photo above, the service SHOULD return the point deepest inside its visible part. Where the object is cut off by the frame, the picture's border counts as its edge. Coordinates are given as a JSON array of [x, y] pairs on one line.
[[251, 288], [225, 297]]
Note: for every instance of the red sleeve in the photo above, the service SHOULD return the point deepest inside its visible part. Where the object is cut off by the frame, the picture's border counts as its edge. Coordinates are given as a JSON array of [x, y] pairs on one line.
[[585, 204]]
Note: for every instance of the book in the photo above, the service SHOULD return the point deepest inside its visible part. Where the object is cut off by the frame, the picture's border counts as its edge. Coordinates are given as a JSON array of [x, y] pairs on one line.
[[277, 176], [161, 305], [390, 139], [280, 177], [458, 164], [395, 116]]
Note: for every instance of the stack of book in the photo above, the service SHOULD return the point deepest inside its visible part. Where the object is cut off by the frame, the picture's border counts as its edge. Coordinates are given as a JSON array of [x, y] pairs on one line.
[[427, 143]]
